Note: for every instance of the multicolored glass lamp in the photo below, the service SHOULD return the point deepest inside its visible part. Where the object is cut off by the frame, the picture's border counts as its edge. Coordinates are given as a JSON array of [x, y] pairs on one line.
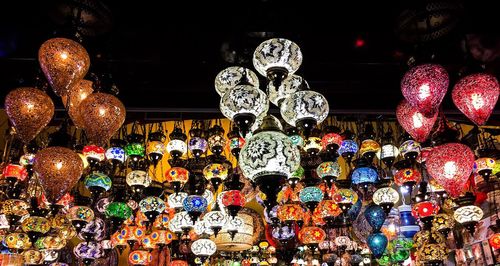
[[156, 147]]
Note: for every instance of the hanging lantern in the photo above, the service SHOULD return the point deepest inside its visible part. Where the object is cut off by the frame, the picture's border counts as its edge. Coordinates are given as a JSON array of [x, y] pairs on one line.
[[415, 123], [288, 86], [312, 145], [140, 257], [311, 196], [295, 137], [195, 205], [348, 149], [484, 167], [88, 252], [177, 176], [377, 242], [102, 115], [424, 87], [375, 216], [407, 177], [345, 198], [425, 211], [156, 147], [215, 220], [329, 172], [64, 63], [311, 236], [35, 227], [305, 109], [296, 176], [494, 241], [116, 154], [468, 216], [290, 212], [451, 165], [236, 142], [328, 210], [388, 154], [476, 96], [364, 176], [17, 241], [268, 158], [386, 197], [203, 248], [58, 170], [233, 76], [243, 104], [138, 180], [408, 224], [93, 154], [135, 148], [233, 200], [80, 216], [117, 212], [368, 149], [29, 111], [73, 99], [276, 59], [14, 172], [215, 173], [32, 257], [151, 207], [177, 147], [97, 183], [216, 140], [332, 140], [410, 149], [432, 254], [443, 223]]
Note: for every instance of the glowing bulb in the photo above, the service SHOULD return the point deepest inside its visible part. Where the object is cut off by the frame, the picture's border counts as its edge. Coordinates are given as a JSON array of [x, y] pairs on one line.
[[450, 169], [424, 91], [391, 228], [477, 101], [417, 120], [30, 106], [83, 96], [59, 165], [64, 55], [102, 111]]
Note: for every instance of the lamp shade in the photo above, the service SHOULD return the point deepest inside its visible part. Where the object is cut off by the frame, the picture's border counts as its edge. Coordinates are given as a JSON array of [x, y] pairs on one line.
[[153, 204], [451, 165], [98, 180], [443, 223], [36, 224], [476, 96], [29, 111], [385, 195], [80, 213], [244, 99], [290, 212], [203, 247], [287, 87], [329, 168], [311, 235], [116, 153], [364, 175], [175, 200], [233, 76], [277, 53], [348, 146], [102, 115], [15, 171], [304, 105], [269, 153], [17, 241], [233, 198], [195, 203], [424, 87], [215, 170], [64, 63], [377, 242], [94, 152], [468, 213], [88, 250], [425, 209], [375, 216], [414, 122], [407, 176], [138, 178], [75, 96], [311, 194], [58, 169]]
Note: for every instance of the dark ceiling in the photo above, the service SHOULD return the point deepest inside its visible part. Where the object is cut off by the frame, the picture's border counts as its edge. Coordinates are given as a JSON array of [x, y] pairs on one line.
[[164, 56]]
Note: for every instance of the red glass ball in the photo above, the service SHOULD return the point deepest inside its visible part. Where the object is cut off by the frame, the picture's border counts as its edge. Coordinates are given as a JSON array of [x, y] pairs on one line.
[[424, 87], [495, 241], [415, 123], [451, 165], [476, 96]]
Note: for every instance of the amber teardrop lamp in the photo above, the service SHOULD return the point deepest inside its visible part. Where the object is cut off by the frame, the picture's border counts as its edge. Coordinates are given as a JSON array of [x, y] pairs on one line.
[[102, 115], [59, 169], [29, 111], [64, 63], [72, 101]]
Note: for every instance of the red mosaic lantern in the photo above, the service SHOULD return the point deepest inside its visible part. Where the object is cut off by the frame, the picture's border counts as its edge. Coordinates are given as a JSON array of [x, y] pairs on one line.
[[414, 122], [311, 235], [290, 212], [233, 200], [178, 176], [475, 96], [425, 209], [407, 176], [15, 172], [495, 241], [424, 87], [451, 165], [331, 138]]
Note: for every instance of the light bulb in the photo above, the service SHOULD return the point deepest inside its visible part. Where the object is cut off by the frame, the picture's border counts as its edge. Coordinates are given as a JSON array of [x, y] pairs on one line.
[[424, 91], [450, 169]]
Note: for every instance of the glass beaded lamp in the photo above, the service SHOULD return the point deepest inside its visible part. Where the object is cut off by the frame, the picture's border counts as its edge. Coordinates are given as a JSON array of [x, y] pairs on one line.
[[369, 148], [388, 154], [332, 140], [345, 198], [216, 140], [115, 154], [232, 76], [140, 257], [432, 254], [407, 177], [424, 87], [14, 172], [283, 233], [94, 154], [203, 248], [329, 171], [468, 216], [476, 96], [197, 146], [35, 227], [288, 86], [425, 211], [177, 176], [305, 109], [175, 200], [233, 200], [494, 241], [195, 205], [243, 104], [276, 59], [386, 197], [235, 142], [33, 257], [88, 252], [215, 173], [443, 223], [364, 176], [312, 145], [97, 183], [328, 210], [177, 146], [377, 242], [138, 180], [151, 207], [414, 122], [268, 158], [17, 241], [80, 216], [295, 137], [290, 213], [410, 149], [311, 236], [215, 220], [311, 196], [156, 147], [118, 210], [348, 149], [135, 149]]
